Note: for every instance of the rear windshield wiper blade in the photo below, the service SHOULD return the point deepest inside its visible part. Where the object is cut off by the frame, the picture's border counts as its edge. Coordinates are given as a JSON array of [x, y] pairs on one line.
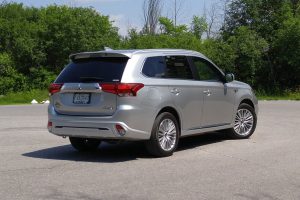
[[91, 79]]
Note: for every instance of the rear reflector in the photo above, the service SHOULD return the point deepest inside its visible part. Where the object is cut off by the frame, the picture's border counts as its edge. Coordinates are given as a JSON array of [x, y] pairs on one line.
[[122, 89], [54, 88], [120, 130], [49, 125]]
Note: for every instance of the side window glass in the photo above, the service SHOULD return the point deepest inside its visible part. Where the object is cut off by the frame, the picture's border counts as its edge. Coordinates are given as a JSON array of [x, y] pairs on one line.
[[205, 70], [154, 67], [178, 67]]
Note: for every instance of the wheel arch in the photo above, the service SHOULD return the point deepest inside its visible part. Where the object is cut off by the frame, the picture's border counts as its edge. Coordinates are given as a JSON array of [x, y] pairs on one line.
[[248, 101], [174, 112]]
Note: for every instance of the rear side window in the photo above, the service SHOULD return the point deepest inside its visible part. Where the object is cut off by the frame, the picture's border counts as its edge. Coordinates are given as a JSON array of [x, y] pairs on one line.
[[93, 70], [176, 67], [155, 67]]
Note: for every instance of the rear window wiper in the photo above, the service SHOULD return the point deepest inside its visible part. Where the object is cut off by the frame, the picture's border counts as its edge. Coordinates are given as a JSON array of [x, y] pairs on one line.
[[91, 79]]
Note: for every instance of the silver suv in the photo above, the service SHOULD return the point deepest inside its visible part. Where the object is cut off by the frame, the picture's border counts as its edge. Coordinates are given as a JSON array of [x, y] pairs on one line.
[[155, 95]]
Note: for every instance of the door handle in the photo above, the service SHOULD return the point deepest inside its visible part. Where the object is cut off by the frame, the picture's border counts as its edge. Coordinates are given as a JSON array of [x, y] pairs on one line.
[[207, 92], [175, 91]]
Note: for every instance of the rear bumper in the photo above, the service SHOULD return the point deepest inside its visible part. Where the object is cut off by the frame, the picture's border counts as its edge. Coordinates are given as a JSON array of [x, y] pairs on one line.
[[92, 127]]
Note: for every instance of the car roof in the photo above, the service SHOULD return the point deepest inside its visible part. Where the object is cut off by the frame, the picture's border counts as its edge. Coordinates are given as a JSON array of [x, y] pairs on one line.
[[129, 53]]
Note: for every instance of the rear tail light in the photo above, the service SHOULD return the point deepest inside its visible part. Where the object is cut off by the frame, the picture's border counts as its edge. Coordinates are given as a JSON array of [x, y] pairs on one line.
[[122, 89], [54, 88]]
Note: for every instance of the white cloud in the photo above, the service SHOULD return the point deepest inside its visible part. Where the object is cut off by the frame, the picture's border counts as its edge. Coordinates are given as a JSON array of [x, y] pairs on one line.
[[120, 22], [124, 24], [116, 17]]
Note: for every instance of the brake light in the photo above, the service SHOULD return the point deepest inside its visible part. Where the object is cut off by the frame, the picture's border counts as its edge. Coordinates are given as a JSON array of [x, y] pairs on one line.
[[54, 88], [122, 89]]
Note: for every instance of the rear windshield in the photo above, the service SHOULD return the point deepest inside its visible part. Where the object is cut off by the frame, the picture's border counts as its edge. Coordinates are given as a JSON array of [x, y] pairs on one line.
[[93, 70]]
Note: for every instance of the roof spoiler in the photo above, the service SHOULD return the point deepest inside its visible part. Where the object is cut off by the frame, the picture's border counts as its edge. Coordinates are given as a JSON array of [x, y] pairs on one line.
[[100, 54]]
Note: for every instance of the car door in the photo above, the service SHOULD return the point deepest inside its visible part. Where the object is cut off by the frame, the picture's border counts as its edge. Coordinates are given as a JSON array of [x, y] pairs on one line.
[[184, 90], [218, 99]]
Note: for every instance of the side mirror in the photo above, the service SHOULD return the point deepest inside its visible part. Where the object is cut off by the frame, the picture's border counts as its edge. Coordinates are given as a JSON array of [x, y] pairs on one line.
[[229, 77]]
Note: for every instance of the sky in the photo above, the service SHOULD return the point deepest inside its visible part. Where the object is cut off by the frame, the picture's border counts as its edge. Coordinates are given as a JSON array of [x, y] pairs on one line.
[[129, 13]]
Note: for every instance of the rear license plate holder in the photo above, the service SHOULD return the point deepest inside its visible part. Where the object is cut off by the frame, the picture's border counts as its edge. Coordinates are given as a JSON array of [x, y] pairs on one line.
[[82, 98]]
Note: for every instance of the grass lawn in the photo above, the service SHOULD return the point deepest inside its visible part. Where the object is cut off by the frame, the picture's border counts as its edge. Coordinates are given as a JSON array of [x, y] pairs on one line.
[[284, 96], [24, 97]]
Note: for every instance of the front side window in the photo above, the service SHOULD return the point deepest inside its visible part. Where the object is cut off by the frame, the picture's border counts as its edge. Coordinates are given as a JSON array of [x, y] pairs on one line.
[[206, 71]]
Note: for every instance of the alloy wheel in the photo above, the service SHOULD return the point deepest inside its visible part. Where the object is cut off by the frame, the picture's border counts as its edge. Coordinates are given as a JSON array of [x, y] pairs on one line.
[[243, 122], [167, 134]]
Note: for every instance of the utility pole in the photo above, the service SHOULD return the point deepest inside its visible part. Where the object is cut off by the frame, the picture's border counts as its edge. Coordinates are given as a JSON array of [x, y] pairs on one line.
[[175, 13], [178, 8]]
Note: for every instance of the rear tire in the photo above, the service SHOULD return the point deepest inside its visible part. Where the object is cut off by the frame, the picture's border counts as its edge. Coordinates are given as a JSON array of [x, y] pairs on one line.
[[244, 122], [85, 144], [164, 135]]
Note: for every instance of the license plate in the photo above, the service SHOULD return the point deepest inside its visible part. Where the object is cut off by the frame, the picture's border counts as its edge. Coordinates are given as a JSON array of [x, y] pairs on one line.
[[82, 98]]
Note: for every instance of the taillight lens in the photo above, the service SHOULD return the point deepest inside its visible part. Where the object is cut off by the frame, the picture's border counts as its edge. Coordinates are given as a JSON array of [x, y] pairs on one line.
[[54, 88], [122, 89]]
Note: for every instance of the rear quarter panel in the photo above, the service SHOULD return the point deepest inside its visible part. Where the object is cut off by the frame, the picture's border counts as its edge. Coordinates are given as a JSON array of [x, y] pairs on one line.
[[150, 99]]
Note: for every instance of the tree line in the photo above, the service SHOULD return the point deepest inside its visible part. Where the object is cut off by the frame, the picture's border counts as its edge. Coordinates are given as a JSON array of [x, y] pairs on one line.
[[258, 40]]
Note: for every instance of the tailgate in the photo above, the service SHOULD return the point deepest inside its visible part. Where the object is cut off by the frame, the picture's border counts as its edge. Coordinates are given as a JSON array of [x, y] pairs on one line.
[[84, 99], [80, 92]]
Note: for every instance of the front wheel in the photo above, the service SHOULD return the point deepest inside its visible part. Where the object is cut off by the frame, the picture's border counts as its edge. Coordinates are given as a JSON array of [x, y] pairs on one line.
[[244, 122], [164, 135], [85, 144]]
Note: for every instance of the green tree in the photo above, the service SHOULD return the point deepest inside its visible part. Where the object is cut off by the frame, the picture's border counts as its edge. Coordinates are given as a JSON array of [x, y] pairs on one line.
[[69, 30], [19, 33], [198, 26], [249, 49], [11, 80], [277, 22], [168, 27], [221, 53], [287, 47], [262, 16], [39, 40]]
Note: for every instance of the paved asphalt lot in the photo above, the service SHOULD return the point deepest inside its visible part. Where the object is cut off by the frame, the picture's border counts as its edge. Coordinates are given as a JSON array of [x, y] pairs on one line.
[[37, 165]]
